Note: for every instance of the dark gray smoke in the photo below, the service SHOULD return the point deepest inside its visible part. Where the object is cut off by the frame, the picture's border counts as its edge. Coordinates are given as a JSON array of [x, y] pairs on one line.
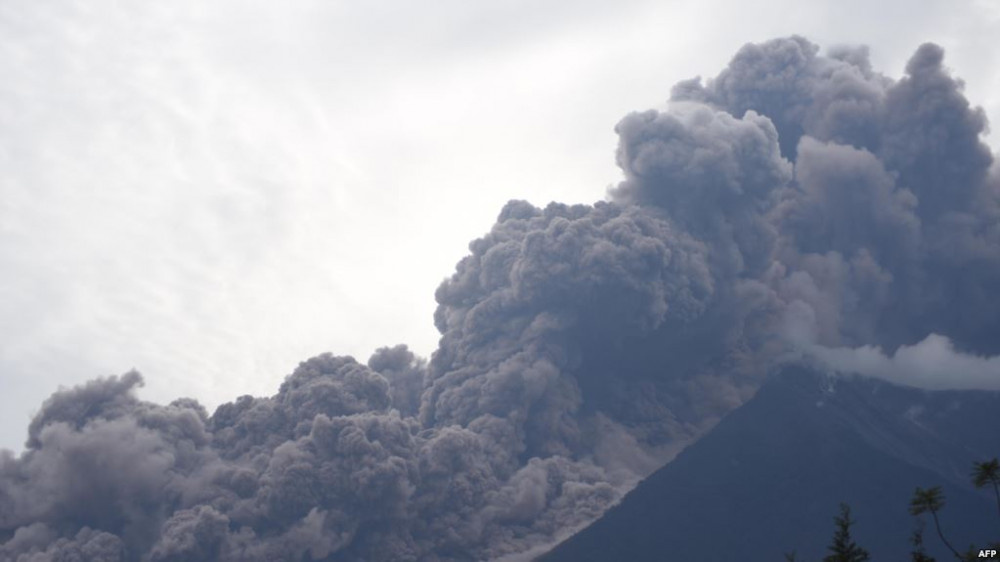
[[797, 206]]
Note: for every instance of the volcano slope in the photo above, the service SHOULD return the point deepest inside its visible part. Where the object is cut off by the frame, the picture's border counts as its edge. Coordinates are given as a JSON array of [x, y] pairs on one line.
[[768, 479]]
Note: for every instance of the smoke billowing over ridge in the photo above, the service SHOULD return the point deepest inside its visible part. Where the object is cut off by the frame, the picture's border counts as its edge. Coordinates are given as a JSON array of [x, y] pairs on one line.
[[796, 205]]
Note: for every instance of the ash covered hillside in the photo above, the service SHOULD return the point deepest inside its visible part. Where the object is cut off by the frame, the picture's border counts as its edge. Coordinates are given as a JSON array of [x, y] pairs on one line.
[[797, 207], [768, 478]]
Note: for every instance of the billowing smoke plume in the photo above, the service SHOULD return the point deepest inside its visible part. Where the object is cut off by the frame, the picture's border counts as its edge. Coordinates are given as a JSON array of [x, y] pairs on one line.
[[795, 206]]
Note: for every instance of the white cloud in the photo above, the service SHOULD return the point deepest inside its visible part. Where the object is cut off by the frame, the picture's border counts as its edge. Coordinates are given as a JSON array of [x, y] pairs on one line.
[[932, 364]]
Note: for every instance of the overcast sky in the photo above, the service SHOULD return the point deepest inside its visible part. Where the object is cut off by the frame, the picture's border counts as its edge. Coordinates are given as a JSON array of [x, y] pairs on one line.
[[212, 192]]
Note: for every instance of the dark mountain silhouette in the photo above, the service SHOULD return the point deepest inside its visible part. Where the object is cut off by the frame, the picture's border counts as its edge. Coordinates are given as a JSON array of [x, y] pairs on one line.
[[768, 479]]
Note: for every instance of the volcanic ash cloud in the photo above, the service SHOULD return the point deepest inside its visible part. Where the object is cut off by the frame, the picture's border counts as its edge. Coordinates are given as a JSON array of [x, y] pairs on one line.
[[797, 205]]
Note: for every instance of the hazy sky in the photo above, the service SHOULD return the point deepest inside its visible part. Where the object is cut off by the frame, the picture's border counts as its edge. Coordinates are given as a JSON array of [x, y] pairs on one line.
[[212, 192]]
